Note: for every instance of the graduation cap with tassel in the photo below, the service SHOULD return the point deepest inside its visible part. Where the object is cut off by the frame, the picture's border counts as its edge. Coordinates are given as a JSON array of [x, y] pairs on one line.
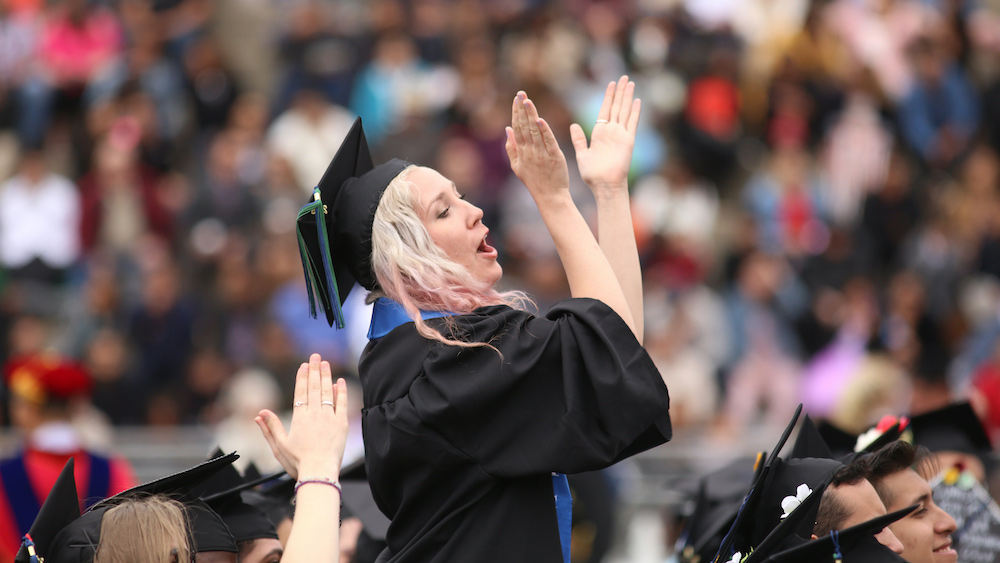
[[62, 535], [716, 502], [779, 486], [335, 227]]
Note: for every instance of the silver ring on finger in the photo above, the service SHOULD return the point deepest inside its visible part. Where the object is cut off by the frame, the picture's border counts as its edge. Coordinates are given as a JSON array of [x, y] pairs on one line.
[[601, 121], [327, 403], [299, 404]]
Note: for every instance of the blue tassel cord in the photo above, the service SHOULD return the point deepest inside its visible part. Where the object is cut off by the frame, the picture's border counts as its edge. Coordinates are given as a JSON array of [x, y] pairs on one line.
[[29, 546]]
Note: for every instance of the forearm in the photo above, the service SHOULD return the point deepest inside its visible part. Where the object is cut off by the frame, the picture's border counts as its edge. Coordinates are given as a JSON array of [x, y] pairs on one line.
[[587, 268], [317, 509], [616, 235]]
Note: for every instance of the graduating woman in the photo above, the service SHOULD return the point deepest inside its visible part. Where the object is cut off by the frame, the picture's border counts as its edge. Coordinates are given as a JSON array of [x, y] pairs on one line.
[[473, 408]]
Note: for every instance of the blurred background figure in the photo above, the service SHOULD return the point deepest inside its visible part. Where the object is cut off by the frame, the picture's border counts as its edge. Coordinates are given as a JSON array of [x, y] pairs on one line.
[[49, 408]]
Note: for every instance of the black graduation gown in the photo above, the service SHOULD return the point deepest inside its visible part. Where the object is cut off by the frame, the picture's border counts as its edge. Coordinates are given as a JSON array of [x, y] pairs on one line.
[[460, 445]]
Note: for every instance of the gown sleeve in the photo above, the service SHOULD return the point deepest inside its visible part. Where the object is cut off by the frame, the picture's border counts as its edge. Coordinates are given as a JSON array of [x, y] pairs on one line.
[[573, 391]]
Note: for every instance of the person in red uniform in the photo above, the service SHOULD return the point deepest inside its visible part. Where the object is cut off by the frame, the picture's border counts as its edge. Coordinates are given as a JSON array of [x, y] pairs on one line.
[[42, 391]]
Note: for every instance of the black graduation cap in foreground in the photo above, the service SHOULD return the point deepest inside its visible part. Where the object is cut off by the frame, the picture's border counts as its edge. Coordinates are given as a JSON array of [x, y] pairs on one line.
[[222, 492], [749, 506], [793, 531], [274, 499], [779, 482], [809, 442], [716, 503], [74, 537], [792, 478], [61, 507], [954, 428], [856, 544], [335, 228]]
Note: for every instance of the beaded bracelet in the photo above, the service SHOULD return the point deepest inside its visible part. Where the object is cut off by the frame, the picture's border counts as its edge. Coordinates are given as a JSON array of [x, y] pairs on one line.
[[323, 480]]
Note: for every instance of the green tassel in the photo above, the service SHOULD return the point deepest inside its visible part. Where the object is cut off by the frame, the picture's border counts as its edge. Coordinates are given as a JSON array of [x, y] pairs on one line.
[[312, 270]]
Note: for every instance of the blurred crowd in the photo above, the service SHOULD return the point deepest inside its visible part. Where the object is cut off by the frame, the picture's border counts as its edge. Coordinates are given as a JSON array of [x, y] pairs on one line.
[[815, 187]]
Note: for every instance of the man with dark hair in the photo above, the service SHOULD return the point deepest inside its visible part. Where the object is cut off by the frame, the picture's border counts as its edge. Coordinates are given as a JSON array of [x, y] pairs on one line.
[[850, 499], [926, 533]]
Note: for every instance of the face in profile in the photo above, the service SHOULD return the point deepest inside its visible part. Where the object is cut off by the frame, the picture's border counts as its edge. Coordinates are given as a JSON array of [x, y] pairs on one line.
[[925, 534], [455, 225], [861, 503]]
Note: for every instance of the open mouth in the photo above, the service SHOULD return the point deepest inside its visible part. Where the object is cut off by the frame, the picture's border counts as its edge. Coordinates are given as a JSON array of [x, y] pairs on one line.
[[485, 248]]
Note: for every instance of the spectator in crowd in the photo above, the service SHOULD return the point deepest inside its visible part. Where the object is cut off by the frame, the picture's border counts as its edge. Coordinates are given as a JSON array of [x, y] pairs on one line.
[[39, 222], [45, 392]]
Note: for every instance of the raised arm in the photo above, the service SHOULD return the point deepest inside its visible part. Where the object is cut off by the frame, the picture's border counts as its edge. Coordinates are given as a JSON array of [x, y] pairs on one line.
[[537, 160], [604, 167], [311, 452]]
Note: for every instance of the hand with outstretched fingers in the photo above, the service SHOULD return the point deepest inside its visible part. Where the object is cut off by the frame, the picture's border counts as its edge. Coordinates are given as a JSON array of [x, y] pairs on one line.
[[604, 164], [534, 153], [314, 444]]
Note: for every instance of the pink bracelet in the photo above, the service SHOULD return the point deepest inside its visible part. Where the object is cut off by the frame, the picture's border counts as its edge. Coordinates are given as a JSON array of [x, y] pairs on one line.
[[323, 480]]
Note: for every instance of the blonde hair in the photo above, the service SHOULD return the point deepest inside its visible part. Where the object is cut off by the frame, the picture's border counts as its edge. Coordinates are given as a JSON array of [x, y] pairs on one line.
[[411, 270], [153, 529]]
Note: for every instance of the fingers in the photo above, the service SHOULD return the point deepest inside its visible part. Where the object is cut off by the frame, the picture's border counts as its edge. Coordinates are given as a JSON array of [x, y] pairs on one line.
[[551, 145], [579, 138], [272, 429], [301, 389], [531, 114], [619, 95], [516, 123], [315, 395], [609, 94], [633, 118], [510, 145], [326, 384], [340, 392], [626, 102]]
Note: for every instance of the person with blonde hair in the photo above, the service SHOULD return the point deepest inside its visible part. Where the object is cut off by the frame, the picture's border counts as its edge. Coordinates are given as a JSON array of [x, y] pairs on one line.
[[152, 529], [475, 409]]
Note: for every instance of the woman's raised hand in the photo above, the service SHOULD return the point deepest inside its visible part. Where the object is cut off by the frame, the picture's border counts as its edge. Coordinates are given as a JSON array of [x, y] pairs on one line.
[[314, 445], [534, 154], [605, 163]]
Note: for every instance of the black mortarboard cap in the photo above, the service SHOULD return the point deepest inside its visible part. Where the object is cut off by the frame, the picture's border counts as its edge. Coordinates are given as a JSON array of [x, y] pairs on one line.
[[77, 540], [782, 481], [221, 492], [208, 529], [954, 428], [716, 503], [809, 442], [856, 544], [748, 509], [793, 530], [274, 500], [335, 228], [61, 507], [840, 442], [177, 484]]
